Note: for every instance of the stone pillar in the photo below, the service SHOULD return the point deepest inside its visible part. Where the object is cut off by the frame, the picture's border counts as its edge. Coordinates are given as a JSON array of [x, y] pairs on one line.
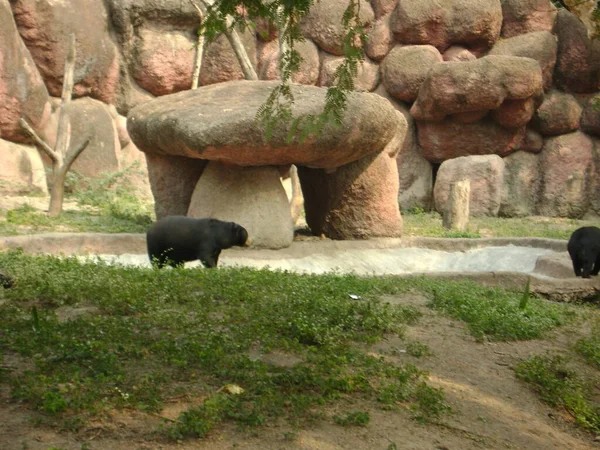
[[250, 196], [356, 201], [173, 179], [456, 216]]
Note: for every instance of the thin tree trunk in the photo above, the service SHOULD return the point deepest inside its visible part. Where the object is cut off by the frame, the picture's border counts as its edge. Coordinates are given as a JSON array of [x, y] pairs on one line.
[[57, 193], [199, 50]]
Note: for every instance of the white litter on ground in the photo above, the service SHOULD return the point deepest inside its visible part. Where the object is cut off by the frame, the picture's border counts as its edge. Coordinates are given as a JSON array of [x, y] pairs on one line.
[[393, 261]]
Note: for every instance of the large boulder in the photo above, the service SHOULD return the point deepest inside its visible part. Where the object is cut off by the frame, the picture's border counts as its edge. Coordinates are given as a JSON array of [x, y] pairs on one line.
[[269, 226], [486, 175], [171, 125], [590, 118], [46, 26], [268, 62], [367, 76], [22, 169], [323, 24], [539, 45], [440, 23], [163, 60], [578, 59], [405, 68], [482, 84], [449, 139], [558, 114], [521, 184], [566, 168], [22, 90], [526, 16]]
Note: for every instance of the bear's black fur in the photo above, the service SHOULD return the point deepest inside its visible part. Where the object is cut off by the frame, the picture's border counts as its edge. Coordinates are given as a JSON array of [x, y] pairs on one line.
[[173, 240], [584, 249]]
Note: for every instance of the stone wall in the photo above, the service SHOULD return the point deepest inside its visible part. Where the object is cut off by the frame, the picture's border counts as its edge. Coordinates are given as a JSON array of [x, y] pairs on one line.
[[511, 79]]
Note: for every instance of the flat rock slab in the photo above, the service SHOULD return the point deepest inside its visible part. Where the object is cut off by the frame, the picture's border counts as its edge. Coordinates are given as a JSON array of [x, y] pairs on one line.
[[218, 123]]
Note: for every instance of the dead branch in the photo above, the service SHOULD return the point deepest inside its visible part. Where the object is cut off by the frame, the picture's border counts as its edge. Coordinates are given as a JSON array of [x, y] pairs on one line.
[[199, 50], [238, 47], [45, 147]]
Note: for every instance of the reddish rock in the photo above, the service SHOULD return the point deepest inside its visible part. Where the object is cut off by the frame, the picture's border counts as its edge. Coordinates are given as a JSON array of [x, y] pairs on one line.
[[525, 16], [540, 45], [220, 63], [405, 69], [566, 168], [514, 113], [323, 24], [477, 85], [356, 201], [486, 175], [449, 139], [521, 185], [383, 7], [46, 26], [558, 114], [22, 169], [367, 77], [22, 90], [458, 53], [268, 62], [475, 23], [590, 118], [164, 60], [173, 180], [578, 59], [381, 39]]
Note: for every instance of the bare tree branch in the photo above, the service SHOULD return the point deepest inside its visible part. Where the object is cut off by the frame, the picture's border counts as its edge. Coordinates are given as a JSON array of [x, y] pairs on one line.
[[74, 153], [64, 133], [238, 47], [45, 147]]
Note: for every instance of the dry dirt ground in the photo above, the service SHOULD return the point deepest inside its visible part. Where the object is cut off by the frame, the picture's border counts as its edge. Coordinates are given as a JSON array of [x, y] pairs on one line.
[[491, 408]]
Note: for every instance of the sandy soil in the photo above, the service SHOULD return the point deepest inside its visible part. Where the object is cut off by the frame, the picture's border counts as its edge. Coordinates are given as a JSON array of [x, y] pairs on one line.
[[491, 408]]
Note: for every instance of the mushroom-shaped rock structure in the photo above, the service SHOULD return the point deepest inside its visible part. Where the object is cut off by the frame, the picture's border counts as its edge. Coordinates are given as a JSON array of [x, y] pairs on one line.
[[209, 157]]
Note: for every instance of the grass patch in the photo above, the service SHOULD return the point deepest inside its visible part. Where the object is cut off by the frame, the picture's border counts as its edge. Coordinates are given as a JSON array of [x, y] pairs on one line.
[[420, 223], [559, 386], [589, 347], [154, 335], [108, 205], [497, 314], [27, 220]]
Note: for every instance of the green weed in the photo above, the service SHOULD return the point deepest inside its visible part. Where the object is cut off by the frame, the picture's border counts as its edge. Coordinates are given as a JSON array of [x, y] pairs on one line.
[[355, 418], [559, 386]]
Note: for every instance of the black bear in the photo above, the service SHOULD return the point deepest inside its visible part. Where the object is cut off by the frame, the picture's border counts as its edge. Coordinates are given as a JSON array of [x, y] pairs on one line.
[[173, 240], [584, 249]]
